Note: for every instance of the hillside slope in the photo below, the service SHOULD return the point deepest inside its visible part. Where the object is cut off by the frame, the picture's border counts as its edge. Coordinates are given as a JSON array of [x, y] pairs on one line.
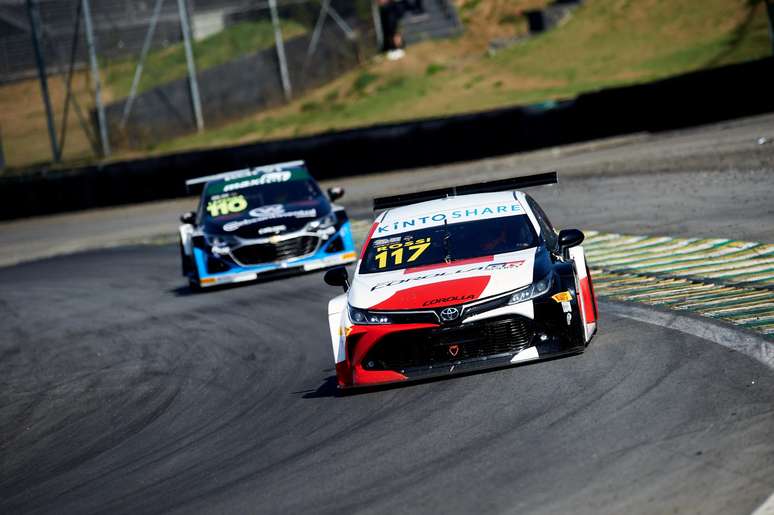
[[604, 43]]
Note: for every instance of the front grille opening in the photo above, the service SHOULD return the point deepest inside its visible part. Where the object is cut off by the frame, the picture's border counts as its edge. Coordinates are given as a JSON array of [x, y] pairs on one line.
[[425, 348], [280, 251], [215, 265], [335, 245]]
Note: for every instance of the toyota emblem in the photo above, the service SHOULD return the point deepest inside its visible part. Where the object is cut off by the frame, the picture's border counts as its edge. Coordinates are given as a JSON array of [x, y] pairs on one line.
[[449, 314]]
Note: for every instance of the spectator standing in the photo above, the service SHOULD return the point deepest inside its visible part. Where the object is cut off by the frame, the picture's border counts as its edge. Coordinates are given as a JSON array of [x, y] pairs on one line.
[[390, 12]]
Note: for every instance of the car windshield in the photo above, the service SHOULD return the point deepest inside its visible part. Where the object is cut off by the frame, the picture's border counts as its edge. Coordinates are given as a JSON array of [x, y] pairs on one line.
[[448, 243], [223, 206]]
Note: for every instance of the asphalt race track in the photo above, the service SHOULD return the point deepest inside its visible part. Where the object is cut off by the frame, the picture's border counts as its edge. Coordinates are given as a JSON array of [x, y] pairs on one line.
[[123, 392]]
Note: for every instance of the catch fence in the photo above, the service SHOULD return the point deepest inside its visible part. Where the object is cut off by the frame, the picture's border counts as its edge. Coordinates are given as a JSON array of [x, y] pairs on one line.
[[132, 73]]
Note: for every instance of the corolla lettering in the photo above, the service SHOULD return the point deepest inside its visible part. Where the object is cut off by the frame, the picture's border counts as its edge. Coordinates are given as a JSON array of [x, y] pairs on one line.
[[491, 267], [444, 300]]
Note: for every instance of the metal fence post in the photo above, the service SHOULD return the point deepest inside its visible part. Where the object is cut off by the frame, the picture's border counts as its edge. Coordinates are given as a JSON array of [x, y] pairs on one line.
[[143, 55], [318, 27], [91, 44], [377, 24], [194, 85], [34, 15], [280, 50]]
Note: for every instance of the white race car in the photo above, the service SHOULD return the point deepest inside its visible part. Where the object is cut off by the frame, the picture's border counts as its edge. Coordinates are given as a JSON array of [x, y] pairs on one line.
[[458, 279]]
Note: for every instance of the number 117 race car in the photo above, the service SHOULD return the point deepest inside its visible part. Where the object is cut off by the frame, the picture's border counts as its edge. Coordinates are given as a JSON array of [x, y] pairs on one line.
[[460, 279], [261, 220]]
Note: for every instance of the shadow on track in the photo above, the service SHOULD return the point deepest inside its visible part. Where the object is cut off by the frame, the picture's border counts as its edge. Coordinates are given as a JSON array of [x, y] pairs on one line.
[[329, 386]]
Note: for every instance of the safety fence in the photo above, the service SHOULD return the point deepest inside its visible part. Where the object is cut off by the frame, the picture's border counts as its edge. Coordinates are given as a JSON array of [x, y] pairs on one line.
[[130, 72]]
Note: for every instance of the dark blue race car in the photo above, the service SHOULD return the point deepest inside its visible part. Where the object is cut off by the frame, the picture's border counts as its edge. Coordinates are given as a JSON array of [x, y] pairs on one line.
[[261, 220]]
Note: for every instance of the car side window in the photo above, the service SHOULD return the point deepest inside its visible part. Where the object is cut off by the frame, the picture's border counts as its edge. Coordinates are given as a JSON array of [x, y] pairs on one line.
[[546, 229]]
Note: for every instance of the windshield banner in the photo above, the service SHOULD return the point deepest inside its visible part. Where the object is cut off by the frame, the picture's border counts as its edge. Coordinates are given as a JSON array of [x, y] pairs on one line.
[[450, 216]]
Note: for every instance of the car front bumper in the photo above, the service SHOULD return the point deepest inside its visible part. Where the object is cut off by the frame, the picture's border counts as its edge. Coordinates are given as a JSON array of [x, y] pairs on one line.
[[234, 272], [432, 350]]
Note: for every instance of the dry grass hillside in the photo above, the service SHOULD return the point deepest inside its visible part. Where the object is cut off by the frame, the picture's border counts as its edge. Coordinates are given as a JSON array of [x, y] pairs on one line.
[[603, 43]]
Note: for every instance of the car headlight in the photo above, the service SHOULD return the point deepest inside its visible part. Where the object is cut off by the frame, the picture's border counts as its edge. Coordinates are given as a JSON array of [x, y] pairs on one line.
[[363, 317], [322, 223], [536, 289]]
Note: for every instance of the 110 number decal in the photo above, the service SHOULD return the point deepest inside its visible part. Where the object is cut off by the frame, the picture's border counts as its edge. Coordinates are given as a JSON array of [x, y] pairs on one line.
[[227, 205]]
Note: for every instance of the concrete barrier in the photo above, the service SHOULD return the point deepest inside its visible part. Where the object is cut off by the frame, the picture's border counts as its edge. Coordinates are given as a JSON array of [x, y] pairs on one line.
[[700, 97]]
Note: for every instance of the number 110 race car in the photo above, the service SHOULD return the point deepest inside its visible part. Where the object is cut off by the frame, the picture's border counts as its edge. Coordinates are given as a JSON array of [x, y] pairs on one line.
[[460, 279], [261, 220]]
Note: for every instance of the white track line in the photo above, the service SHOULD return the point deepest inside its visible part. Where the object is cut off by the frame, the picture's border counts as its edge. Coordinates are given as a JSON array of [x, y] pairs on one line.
[[767, 508], [705, 328]]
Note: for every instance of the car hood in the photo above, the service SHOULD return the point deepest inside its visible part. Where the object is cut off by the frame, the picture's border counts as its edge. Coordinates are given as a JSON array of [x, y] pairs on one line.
[[443, 284], [267, 220]]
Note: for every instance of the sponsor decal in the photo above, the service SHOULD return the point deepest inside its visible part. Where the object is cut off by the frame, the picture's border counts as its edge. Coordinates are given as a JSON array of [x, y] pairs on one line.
[[221, 205], [449, 314], [444, 300], [385, 241], [454, 350], [265, 178], [566, 307], [263, 213], [564, 296], [457, 215], [268, 212], [490, 267], [569, 318], [273, 229]]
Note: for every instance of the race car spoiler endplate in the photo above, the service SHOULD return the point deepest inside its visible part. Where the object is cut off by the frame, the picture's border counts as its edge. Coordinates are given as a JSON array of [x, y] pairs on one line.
[[513, 183]]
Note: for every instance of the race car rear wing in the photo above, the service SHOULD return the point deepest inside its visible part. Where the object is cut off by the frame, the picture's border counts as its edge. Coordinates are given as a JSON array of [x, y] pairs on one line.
[[513, 183], [239, 174]]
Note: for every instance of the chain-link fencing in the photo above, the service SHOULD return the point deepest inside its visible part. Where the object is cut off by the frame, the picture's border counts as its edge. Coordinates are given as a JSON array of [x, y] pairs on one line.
[[131, 73]]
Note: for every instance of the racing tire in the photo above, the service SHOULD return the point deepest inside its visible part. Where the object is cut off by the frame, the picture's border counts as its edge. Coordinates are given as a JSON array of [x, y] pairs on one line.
[[193, 276]]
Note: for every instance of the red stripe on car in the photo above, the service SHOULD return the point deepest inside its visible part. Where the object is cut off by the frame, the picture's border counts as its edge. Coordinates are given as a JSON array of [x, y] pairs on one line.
[[436, 295], [587, 301], [368, 239], [360, 341]]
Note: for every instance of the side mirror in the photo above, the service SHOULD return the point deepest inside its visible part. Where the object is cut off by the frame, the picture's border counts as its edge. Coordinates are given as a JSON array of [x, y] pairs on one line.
[[188, 218], [335, 193], [338, 277], [570, 238]]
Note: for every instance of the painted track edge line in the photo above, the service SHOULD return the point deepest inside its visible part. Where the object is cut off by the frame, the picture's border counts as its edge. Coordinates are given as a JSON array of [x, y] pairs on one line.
[[767, 508], [733, 338]]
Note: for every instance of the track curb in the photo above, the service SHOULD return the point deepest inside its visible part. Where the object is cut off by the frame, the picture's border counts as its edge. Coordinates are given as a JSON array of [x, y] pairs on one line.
[[731, 337]]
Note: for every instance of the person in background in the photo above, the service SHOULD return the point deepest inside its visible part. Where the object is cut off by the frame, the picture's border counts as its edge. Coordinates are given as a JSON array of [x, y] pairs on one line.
[[390, 13]]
